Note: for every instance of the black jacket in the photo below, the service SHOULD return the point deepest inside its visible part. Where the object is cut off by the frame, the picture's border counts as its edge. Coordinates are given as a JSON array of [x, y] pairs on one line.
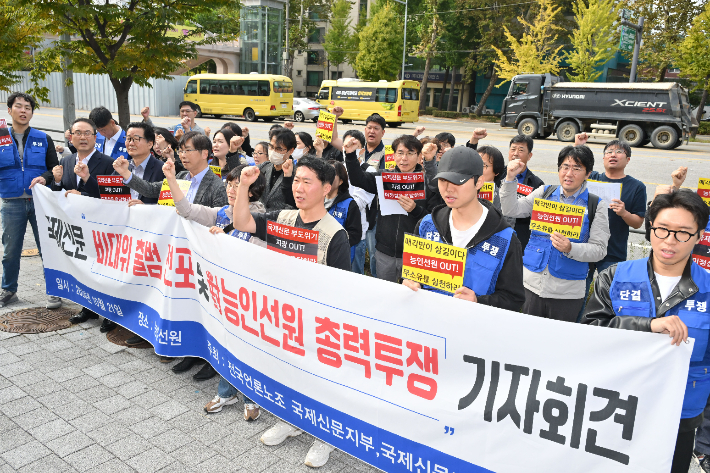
[[390, 228], [509, 292], [99, 165], [522, 225], [153, 173], [599, 311]]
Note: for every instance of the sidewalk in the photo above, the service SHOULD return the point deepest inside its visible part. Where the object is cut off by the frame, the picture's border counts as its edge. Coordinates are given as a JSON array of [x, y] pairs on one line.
[[72, 401]]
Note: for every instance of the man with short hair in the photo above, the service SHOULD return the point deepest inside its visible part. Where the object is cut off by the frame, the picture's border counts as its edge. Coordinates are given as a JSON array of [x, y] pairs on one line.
[[311, 185], [520, 148], [665, 293], [111, 139], [364, 201], [29, 160], [494, 269], [555, 266], [281, 146], [188, 112]]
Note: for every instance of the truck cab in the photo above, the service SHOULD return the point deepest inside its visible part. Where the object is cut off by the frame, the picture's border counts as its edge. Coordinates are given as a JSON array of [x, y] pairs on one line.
[[526, 98]]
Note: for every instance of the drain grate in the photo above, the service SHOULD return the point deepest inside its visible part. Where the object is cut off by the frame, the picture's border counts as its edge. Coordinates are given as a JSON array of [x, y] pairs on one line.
[[119, 335], [36, 320]]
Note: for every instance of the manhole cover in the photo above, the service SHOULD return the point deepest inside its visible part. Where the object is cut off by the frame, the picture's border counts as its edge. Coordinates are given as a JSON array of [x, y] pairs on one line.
[[36, 320], [32, 252], [119, 335]]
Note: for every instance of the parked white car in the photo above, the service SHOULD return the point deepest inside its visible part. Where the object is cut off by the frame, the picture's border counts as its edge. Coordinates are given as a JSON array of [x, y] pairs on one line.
[[306, 109]]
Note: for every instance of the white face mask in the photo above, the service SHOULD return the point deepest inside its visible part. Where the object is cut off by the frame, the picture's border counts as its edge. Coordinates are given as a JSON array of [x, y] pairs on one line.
[[276, 158], [297, 153]]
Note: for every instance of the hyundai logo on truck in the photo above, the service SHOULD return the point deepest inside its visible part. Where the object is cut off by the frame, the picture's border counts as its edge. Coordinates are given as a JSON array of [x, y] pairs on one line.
[[567, 96]]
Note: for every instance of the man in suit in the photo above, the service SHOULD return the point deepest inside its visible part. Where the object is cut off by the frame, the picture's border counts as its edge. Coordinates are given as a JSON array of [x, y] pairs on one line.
[[282, 145], [111, 139]]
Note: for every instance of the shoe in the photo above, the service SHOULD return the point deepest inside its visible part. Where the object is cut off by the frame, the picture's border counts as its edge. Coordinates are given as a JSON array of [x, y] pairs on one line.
[[207, 372], [135, 340], [187, 363], [705, 464], [54, 302], [165, 359], [278, 433], [83, 316], [251, 412], [107, 325], [7, 297], [319, 454], [216, 404]]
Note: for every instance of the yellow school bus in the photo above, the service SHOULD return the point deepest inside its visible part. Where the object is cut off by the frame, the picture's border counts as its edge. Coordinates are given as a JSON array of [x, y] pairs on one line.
[[254, 96], [397, 102]]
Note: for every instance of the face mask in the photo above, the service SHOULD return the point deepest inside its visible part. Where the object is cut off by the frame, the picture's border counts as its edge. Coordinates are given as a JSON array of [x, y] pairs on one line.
[[297, 153], [276, 158]]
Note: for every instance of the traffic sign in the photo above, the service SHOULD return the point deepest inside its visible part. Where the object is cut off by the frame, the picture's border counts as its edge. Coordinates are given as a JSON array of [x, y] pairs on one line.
[[627, 39], [625, 14]]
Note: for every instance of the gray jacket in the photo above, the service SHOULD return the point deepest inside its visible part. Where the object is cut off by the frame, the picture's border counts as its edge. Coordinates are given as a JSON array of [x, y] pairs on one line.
[[543, 283], [211, 192], [272, 198]]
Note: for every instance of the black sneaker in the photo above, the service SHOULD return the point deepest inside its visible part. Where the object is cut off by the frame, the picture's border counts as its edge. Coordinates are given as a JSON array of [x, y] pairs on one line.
[[7, 297], [135, 340], [107, 326]]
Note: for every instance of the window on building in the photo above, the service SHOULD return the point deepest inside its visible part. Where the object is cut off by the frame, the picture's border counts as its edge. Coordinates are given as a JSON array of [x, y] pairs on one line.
[[335, 75], [298, 73], [314, 78], [313, 58], [316, 36]]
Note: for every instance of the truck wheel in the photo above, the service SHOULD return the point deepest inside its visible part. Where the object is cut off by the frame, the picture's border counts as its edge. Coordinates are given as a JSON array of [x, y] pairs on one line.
[[528, 127], [632, 135], [249, 115], [664, 137], [678, 143], [567, 130]]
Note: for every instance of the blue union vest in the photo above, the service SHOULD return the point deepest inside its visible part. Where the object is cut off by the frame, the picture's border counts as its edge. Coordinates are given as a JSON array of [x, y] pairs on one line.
[[483, 263], [223, 220], [539, 253], [17, 176], [631, 294], [118, 150]]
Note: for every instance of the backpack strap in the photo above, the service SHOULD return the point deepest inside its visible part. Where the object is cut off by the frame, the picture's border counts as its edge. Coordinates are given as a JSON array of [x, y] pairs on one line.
[[548, 191], [592, 204]]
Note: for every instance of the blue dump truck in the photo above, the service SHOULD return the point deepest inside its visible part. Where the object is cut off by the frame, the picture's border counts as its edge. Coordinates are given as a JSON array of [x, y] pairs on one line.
[[539, 105]]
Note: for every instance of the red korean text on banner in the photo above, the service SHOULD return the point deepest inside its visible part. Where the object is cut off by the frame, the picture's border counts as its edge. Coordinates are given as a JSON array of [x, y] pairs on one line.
[[486, 192], [403, 184], [524, 190], [701, 251], [297, 242], [113, 188], [5, 138], [704, 189]]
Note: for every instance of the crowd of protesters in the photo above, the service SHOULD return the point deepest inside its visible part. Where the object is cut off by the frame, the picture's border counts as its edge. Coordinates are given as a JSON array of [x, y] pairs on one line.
[[331, 187]]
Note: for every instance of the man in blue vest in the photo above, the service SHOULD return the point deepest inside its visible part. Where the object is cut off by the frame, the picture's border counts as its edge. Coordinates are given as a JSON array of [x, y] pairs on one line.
[[111, 139], [665, 293], [555, 266], [494, 268], [25, 162]]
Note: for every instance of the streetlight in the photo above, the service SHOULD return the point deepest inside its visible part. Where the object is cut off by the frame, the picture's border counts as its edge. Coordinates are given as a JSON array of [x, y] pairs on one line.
[[404, 46]]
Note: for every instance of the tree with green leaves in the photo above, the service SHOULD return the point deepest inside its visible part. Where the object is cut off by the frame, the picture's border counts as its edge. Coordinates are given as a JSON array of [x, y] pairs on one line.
[[338, 42], [429, 29], [693, 59], [536, 51], [381, 46], [594, 42], [131, 41], [304, 16]]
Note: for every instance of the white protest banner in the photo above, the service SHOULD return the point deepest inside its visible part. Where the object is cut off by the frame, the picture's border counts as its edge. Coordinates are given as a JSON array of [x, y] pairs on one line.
[[406, 381], [606, 191]]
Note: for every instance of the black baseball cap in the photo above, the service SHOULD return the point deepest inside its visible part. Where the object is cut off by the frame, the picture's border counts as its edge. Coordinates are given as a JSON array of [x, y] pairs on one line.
[[460, 164]]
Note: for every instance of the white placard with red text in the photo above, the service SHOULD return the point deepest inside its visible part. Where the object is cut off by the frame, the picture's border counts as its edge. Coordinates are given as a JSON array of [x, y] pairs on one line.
[[406, 381]]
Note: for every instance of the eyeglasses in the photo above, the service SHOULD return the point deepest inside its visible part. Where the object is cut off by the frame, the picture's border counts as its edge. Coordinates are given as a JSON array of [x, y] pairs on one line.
[[565, 168], [619, 152], [680, 235], [411, 154], [232, 185], [83, 133], [185, 151], [278, 150], [131, 139], [373, 128], [521, 149], [260, 153]]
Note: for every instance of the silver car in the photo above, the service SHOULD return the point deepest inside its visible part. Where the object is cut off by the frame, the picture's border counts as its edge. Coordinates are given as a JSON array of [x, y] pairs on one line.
[[306, 109]]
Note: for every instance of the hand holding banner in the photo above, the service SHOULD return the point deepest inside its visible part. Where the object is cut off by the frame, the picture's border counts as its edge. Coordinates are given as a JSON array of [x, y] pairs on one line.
[[432, 263], [324, 128], [606, 191], [549, 216]]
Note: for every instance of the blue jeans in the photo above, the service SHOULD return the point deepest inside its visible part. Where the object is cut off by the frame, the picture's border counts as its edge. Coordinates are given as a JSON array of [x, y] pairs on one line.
[[14, 214], [226, 390], [358, 264], [601, 266], [371, 242]]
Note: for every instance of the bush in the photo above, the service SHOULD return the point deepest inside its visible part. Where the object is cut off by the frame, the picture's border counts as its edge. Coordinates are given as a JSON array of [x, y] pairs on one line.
[[429, 111], [704, 128], [444, 114], [484, 118]]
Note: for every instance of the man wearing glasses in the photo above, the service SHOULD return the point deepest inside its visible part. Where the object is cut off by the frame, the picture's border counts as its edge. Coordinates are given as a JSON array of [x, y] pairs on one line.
[[555, 267], [626, 212], [666, 293], [188, 112]]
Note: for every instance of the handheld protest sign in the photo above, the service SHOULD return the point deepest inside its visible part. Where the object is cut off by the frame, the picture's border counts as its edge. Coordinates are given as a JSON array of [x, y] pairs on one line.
[[324, 128], [486, 192], [701, 251], [297, 242], [166, 197], [113, 188], [5, 138], [606, 191], [432, 263], [390, 163], [524, 190], [704, 190], [217, 170], [549, 216], [403, 184]]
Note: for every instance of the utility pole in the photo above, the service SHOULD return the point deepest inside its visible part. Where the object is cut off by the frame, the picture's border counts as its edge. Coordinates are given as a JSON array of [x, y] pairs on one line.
[[69, 107], [404, 47], [638, 29], [287, 70]]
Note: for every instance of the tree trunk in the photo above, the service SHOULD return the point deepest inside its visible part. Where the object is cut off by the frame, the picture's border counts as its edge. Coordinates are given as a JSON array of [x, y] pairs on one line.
[[440, 106], [422, 90], [661, 74], [451, 90], [701, 107], [472, 90], [489, 89], [122, 87]]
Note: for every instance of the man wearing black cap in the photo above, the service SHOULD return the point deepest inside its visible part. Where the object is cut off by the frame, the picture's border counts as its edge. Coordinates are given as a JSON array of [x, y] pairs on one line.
[[494, 267]]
